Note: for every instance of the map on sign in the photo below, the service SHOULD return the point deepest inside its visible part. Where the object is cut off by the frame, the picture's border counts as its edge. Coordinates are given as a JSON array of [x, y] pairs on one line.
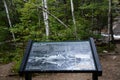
[[47, 56]]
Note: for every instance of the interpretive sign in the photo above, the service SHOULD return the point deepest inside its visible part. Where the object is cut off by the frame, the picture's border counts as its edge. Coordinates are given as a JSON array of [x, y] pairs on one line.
[[60, 56], [77, 56]]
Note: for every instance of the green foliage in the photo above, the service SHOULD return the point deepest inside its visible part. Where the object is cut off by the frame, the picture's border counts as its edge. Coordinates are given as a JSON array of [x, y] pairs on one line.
[[18, 54], [106, 47], [28, 23], [29, 26], [90, 16], [14, 55], [8, 54], [3, 31]]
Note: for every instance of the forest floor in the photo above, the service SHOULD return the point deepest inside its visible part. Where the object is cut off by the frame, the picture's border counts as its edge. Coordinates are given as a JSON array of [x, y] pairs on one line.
[[110, 65]]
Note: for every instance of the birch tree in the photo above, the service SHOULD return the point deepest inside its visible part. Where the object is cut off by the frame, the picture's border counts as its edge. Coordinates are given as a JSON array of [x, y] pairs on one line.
[[54, 17], [73, 17], [8, 17], [45, 16]]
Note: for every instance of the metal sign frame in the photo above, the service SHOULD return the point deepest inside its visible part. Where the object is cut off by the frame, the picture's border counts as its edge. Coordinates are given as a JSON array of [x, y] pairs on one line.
[[95, 73]]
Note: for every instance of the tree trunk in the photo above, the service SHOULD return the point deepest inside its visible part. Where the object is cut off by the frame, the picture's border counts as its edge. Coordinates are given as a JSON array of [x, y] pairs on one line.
[[45, 16], [8, 17], [73, 16], [54, 17], [110, 29]]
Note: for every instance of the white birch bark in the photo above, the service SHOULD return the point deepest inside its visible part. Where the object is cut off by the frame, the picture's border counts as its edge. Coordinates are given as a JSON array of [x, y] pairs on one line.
[[45, 16], [8, 17], [73, 16], [54, 17]]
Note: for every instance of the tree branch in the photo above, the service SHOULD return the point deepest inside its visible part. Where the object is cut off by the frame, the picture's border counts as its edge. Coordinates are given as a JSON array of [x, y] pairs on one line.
[[53, 16]]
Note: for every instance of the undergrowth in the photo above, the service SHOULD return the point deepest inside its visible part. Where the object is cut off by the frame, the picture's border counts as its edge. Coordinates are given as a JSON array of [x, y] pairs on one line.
[[106, 47], [11, 53]]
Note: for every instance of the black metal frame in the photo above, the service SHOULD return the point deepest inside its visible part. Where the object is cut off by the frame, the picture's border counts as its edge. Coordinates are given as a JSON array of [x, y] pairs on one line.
[[25, 58], [95, 73], [96, 61]]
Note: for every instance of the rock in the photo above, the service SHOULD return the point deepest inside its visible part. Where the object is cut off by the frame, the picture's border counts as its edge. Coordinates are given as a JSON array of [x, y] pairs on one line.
[[105, 51], [114, 57]]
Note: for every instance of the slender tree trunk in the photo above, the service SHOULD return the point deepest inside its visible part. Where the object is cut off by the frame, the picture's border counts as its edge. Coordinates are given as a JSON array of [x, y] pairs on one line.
[[45, 16], [8, 17], [110, 29], [54, 17], [73, 16]]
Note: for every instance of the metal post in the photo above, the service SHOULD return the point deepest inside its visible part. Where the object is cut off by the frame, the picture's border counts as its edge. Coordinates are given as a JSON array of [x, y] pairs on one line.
[[28, 76], [94, 76]]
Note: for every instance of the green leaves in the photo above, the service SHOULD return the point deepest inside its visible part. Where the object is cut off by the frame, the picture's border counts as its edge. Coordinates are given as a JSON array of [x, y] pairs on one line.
[[89, 16], [4, 33]]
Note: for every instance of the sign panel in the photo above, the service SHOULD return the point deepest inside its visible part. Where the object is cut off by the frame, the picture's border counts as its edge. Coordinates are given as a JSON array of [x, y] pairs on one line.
[[45, 56]]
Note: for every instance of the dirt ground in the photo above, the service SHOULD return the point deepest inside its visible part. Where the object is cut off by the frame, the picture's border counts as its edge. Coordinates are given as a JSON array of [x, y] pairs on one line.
[[110, 65]]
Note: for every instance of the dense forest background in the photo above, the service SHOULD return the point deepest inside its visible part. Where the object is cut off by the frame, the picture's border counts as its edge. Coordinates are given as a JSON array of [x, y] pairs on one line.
[[50, 20]]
